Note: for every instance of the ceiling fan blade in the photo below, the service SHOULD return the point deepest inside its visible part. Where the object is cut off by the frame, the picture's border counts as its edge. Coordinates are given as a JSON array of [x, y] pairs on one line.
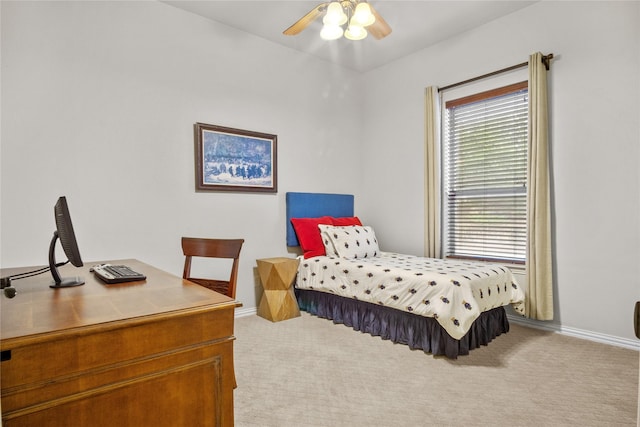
[[307, 19], [379, 29]]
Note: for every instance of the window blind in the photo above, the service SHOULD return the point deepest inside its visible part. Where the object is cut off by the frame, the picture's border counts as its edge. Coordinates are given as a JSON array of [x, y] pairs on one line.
[[485, 160]]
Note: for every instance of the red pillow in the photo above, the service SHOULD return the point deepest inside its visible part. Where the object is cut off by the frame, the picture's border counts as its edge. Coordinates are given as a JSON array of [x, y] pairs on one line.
[[347, 220], [309, 234]]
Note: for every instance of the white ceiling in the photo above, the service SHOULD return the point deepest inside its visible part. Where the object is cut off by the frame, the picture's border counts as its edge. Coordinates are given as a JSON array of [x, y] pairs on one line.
[[415, 25]]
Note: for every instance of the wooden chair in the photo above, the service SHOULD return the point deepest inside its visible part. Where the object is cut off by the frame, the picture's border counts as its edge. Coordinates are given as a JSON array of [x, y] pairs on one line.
[[213, 248]]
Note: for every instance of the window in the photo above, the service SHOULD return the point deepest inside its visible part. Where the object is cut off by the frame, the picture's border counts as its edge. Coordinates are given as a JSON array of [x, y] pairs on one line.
[[485, 175]]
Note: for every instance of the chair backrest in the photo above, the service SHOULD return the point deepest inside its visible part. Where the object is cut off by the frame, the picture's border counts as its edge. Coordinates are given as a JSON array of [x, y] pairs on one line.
[[213, 248]]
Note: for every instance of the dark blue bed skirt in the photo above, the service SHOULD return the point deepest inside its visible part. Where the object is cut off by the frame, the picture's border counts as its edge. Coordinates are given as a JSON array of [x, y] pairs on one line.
[[417, 332]]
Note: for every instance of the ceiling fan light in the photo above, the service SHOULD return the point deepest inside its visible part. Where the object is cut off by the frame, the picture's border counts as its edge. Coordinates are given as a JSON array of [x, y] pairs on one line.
[[331, 32], [355, 32], [362, 15], [335, 14]]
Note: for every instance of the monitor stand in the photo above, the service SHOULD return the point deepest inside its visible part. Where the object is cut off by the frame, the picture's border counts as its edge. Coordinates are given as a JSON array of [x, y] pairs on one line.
[[68, 282]]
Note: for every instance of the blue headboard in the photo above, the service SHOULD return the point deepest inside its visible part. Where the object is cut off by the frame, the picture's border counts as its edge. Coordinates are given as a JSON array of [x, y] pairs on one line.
[[314, 205]]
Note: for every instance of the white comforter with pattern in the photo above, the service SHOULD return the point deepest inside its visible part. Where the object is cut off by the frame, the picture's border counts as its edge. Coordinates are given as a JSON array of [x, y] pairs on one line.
[[453, 292]]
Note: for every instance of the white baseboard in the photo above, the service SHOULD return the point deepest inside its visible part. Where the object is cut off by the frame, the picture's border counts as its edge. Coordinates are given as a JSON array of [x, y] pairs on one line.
[[248, 311], [577, 333], [572, 332]]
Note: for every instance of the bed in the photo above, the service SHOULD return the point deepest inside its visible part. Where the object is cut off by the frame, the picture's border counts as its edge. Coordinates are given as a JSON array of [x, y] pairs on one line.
[[443, 307]]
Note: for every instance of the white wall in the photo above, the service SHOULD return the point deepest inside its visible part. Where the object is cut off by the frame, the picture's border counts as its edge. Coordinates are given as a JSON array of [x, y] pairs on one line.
[[98, 104], [595, 135], [83, 82]]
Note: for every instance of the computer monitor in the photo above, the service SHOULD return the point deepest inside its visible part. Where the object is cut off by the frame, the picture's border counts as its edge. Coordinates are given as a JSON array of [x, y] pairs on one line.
[[64, 232]]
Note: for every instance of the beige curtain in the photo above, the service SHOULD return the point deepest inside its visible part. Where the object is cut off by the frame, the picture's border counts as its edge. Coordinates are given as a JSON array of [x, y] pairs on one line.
[[432, 246], [539, 300]]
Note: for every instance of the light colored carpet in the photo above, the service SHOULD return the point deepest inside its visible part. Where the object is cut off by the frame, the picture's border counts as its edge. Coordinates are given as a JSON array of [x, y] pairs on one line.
[[308, 371]]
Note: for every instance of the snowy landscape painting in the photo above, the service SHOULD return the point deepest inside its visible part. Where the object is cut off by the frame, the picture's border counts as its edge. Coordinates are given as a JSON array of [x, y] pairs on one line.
[[230, 159]]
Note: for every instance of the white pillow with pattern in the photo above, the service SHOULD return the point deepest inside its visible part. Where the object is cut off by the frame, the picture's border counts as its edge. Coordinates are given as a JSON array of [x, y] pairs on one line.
[[352, 241]]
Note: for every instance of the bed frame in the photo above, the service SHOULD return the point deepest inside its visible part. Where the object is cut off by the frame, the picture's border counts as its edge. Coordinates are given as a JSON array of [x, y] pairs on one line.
[[416, 331]]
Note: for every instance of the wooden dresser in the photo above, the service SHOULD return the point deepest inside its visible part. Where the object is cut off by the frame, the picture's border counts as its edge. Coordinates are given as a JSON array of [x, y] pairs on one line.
[[151, 353]]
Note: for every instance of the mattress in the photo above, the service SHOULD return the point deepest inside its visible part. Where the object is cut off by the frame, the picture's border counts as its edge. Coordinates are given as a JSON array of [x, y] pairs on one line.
[[452, 292]]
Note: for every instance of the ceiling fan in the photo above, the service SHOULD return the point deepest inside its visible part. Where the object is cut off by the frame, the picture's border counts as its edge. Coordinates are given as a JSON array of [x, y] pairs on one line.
[[358, 15]]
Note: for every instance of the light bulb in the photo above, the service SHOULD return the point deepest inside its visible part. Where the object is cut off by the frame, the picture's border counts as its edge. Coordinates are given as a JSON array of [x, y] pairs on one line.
[[362, 15], [331, 32], [355, 32], [335, 15]]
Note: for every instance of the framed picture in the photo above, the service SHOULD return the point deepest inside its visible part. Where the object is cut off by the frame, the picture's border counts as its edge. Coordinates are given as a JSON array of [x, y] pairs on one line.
[[230, 159]]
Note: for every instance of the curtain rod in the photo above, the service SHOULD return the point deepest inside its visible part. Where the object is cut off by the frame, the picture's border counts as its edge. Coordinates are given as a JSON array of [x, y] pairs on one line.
[[546, 60]]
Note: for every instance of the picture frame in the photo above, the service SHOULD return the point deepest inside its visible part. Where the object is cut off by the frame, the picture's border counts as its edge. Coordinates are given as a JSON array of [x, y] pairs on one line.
[[229, 159]]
